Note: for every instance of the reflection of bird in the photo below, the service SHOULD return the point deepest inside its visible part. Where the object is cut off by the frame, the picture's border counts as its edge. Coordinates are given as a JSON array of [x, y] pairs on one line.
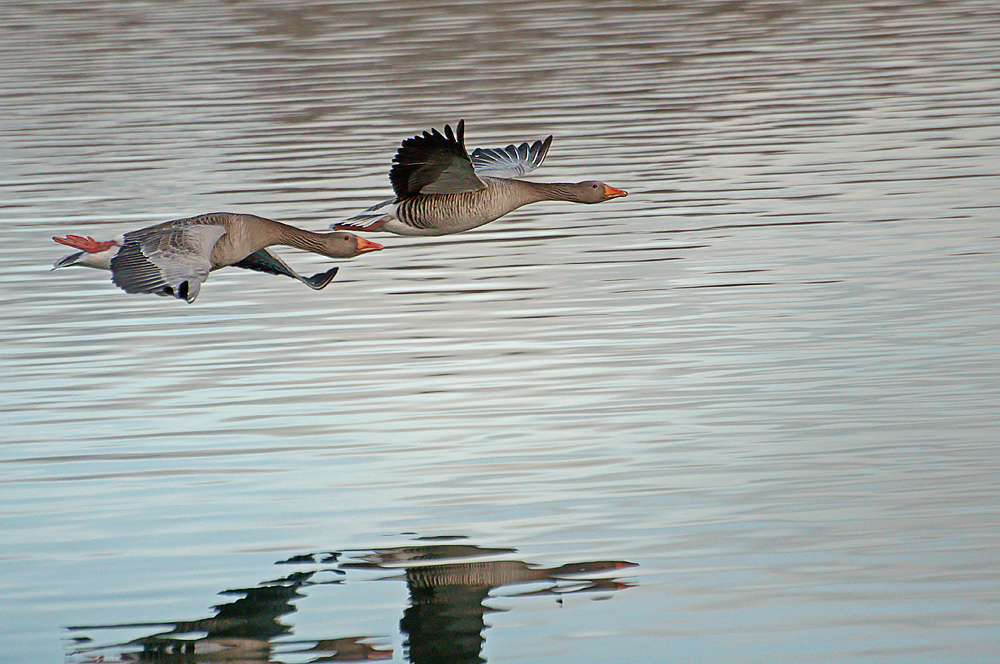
[[446, 618], [440, 189], [498, 573], [408, 555], [174, 258], [444, 623], [243, 630], [348, 649]]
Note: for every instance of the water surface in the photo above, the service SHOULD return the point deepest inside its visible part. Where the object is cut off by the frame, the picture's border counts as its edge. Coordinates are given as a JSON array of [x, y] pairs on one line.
[[756, 399]]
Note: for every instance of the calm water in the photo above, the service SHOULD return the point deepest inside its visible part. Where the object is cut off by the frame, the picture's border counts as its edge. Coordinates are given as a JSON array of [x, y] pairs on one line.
[[747, 414]]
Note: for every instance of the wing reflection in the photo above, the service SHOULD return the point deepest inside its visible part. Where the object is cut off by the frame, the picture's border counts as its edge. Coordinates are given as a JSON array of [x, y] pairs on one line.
[[241, 632], [444, 623]]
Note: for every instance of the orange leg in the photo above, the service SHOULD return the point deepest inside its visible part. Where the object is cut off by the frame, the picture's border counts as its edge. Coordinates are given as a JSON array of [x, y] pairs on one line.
[[88, 244]]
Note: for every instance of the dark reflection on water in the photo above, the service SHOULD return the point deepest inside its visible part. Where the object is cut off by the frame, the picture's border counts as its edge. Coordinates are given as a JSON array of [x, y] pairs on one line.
[[240, 631], [444, 623], [769, 375]]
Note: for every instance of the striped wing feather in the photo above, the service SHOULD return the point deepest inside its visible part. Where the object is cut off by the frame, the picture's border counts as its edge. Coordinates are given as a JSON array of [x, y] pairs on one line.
[[512, 161], [172, 260]]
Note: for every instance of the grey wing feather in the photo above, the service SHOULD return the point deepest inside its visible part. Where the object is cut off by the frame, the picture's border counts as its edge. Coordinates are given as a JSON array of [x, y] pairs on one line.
[[264, 261], [172, 260], [512, 161]]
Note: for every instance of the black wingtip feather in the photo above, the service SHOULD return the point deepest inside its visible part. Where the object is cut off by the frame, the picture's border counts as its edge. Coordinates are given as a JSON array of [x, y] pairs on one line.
[[421, 160], [321, 280]]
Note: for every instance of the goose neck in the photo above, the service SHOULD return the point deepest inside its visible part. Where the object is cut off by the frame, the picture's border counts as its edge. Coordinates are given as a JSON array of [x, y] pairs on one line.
[[552, 191]]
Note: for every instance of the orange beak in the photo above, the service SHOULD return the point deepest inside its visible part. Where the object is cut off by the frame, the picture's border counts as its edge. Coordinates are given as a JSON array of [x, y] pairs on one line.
[[364, 246], [611, 192]]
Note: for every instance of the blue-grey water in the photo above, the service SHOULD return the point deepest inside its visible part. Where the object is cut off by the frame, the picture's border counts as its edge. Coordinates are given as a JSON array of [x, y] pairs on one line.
[[747, 414]]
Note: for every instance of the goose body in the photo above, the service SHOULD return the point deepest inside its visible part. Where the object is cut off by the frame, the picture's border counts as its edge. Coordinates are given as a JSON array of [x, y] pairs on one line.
[[175, 257], [440, 189]]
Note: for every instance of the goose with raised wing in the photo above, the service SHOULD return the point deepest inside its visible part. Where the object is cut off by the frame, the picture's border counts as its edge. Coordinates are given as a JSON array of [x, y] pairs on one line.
[[175, 257], [441, 189]]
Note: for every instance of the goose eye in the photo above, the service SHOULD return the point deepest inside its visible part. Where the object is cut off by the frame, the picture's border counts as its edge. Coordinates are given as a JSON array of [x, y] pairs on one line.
[[594, 186], [347, 237]]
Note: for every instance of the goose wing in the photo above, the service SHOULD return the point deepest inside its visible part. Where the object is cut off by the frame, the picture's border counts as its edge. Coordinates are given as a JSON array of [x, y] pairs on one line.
[[434, 163], [171, 259], [263, 260], [512, 161]]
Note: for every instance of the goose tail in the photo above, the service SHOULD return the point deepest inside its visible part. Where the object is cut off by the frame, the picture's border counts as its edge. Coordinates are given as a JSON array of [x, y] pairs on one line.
[[369, 220], [66, 261]]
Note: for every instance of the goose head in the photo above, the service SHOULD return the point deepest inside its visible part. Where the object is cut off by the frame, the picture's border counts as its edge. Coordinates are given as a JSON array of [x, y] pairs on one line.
[[592, 191], [346, 245]]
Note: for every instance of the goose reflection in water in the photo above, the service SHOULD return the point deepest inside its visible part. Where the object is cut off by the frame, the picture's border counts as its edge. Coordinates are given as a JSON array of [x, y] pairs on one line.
[[241, 632], [444, 623]]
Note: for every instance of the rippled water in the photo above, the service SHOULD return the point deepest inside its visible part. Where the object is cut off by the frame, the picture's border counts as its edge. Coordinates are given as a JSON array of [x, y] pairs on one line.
[[753, 406]]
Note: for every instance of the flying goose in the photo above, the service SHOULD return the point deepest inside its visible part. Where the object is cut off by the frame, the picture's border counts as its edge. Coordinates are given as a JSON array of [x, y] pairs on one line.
[[175, 257], [441, 190]]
